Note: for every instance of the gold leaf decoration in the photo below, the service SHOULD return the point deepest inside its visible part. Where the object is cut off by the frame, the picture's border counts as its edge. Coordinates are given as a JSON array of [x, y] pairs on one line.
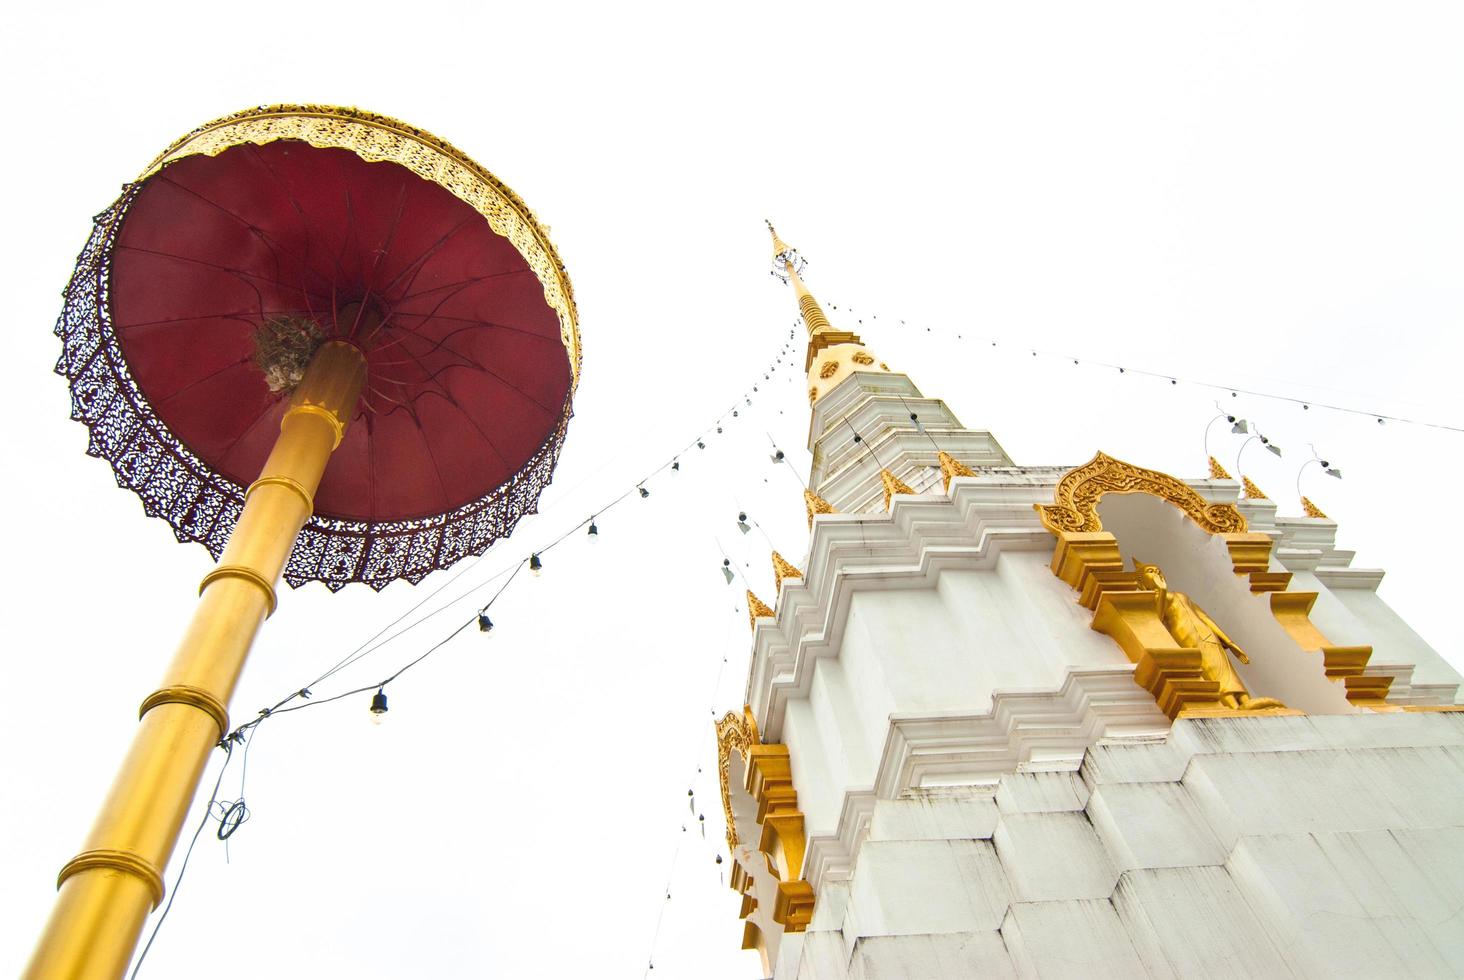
[[816, 505], [951, 467], [783, 568], [756, 609], [892, 486], [1075, 503]]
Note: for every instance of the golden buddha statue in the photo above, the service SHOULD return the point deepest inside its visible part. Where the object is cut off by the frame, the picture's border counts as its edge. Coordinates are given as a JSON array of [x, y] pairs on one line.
[[1192, 627]]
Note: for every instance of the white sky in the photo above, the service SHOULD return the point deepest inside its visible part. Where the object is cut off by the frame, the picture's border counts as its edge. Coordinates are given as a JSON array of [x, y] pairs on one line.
[[1263, 195]]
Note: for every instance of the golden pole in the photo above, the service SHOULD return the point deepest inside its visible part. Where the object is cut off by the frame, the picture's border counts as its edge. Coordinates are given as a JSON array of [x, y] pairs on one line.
[[107, 889]]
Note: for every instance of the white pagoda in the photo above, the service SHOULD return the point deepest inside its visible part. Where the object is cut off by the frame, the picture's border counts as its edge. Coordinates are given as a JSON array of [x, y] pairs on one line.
[[1093, 721]]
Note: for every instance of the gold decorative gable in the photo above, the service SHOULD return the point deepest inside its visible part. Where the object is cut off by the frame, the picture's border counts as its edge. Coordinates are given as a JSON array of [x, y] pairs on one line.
[[1075, 506]]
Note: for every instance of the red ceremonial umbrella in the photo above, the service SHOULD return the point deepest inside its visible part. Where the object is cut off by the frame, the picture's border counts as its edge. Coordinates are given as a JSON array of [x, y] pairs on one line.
[[290, 220], [326, 345]]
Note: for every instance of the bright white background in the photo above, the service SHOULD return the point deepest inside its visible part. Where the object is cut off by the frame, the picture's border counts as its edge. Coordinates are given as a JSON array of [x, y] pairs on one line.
[[1264, 195]]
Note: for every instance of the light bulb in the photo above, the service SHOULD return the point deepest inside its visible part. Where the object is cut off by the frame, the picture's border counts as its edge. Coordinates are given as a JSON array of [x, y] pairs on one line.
[[378, 707], [594, 532]]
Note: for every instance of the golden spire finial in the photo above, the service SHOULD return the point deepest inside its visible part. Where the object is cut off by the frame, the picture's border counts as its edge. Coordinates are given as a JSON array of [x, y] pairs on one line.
[[780, 247], [783, 568], [1217, 472], [950, 467], [1252, 492], [786, 265], [816, 505], [1312, 510], [892, 486], [756, 609], [846, 353]]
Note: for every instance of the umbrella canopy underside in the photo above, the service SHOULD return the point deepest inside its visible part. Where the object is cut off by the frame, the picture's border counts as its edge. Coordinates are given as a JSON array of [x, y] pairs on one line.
[[469, 382]]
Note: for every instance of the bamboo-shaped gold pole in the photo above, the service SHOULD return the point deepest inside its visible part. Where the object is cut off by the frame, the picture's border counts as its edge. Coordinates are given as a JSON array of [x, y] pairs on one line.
[[107, 889]]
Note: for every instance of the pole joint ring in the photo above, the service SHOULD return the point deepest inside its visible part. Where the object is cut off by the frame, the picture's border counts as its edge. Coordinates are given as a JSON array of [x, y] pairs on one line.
[[123, 861], [245, 573], [195, 697], [294, 486]]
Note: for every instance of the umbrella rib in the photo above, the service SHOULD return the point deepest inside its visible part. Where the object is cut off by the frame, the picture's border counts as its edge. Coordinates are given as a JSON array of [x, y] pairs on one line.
[[237, 273], [173, 321], [489, 323], [416, 265], [464, 283], [198, 381], [294, 206], [270, 242]]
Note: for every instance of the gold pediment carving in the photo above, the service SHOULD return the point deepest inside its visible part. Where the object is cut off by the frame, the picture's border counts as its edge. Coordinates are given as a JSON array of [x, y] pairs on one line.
[[1075, 505]]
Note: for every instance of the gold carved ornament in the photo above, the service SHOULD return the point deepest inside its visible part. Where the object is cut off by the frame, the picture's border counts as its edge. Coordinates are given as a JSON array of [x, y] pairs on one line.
[[950, 467], [756, 609], [1087, 558], [828, 369], [815, 504], [1252, 492], [1076, 501], [862, 358], [1217, 472], [783, 568], [735, 733], [783, 840], [376, 138], [892, 486], [1312, 510], [812, 394]]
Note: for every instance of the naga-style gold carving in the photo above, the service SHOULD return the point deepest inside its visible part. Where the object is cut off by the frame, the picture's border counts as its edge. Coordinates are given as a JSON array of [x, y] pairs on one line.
[[950, 467], [828, 369], [1312, 510], [815, 504], [756, 609], [1193, 628], [1217, 472], [1075, 505], [860, 357], [378, 138], [892, 486], [783, 568], [1252, 492]]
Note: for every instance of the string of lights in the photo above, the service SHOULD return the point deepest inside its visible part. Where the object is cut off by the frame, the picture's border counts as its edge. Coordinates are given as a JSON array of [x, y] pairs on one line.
[[534, 561], [231, 814], [1173, 378], [691, 801], [178, 881]]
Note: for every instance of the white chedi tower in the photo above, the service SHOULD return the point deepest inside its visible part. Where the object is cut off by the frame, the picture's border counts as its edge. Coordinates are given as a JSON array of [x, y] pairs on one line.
[[981, 739]]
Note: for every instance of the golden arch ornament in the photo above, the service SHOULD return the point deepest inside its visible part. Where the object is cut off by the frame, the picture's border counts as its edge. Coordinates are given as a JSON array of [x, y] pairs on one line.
[[735, 733], [1075, 503]]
